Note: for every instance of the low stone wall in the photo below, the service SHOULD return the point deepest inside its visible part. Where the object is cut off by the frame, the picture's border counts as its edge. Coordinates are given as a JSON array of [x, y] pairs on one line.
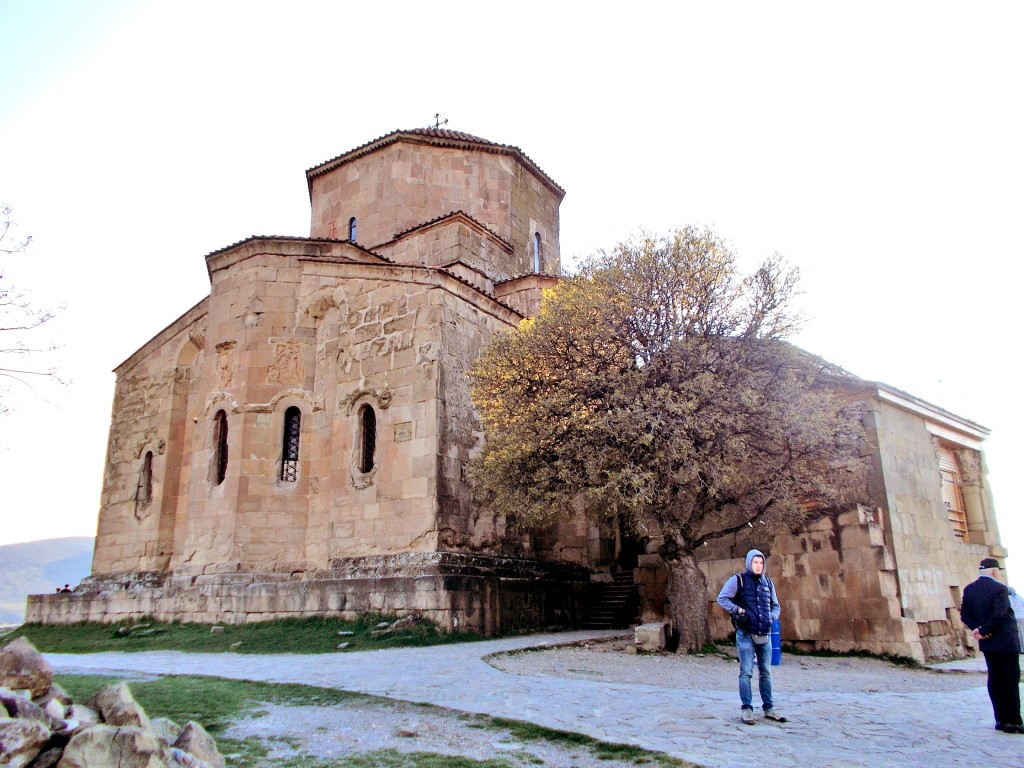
[[479, 594]]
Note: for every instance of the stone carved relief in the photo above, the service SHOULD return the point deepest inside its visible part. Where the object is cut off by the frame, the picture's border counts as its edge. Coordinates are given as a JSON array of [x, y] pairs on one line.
[[198, 337], [254, 312], [225, 359], [382, 396], [158, 449], [318, 303], [345, 361], [970, 465], [286, 368]]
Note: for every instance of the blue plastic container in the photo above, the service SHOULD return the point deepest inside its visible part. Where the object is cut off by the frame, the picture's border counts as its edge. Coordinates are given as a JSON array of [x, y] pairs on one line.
[[776, 644]]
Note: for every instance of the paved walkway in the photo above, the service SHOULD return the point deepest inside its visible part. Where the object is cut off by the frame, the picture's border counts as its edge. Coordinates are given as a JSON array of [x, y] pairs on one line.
[[828, 729]]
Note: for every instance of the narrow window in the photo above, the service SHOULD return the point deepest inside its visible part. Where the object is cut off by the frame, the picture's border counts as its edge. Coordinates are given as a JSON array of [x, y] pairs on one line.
[[144, 490], [367, 438], [352, 229], [290, 454], [536, 252], [220, 442], [952, 492]]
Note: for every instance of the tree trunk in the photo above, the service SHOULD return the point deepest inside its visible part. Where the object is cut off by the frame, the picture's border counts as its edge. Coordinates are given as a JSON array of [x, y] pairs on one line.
[[687, 595]]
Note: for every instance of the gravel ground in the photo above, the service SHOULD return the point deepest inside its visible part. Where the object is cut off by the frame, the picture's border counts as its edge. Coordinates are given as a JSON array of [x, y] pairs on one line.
[[368, 726], [611, 663], [374, 724]]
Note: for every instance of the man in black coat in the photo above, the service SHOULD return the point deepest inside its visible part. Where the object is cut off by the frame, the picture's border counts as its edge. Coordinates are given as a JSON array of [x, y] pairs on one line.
[[987, 613]]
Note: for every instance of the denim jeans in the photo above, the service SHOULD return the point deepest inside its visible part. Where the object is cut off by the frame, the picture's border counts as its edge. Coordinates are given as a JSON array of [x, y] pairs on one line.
[[748, 651]]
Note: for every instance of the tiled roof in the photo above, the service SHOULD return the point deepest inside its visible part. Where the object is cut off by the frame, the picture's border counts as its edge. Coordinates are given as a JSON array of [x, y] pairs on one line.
[[452, 214], [439, 137], [294, 239]]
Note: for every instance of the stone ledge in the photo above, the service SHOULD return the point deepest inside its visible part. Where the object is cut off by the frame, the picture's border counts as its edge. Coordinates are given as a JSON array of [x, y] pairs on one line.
[[457, 592]]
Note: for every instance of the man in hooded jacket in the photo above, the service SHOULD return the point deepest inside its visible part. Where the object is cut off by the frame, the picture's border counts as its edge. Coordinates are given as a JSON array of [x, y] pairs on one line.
[[750, 598]]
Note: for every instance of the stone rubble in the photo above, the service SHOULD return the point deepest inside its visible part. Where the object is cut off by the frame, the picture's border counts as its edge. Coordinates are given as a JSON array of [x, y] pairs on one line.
[[41, 727]]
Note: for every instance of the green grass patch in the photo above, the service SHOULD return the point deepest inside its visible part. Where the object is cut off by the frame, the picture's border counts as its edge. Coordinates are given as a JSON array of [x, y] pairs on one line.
[[708, 649], [216, 703], [307, 635], [213, 702]]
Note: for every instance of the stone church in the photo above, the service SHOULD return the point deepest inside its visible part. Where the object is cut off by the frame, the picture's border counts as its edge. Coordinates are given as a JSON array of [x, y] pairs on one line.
[[296, 444]]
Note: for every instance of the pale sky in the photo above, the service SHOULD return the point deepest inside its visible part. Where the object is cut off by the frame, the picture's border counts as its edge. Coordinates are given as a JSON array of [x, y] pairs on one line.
[[877, 146]]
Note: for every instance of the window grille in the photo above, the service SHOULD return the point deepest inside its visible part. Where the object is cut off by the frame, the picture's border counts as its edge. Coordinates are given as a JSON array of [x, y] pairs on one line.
[[368, 438], [220, 442], [290, 454]]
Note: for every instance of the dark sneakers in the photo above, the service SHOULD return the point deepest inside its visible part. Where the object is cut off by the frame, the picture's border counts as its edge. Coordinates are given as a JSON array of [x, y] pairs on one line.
[[1010, 728]]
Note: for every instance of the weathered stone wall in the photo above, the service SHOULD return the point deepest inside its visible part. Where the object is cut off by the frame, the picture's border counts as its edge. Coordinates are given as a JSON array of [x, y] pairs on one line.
[[525, 294], [405, 184], [336, 332], [148, 414], [327, 337], [885, 579], [453, 239], [377, 336], [932, 564], [458, 592]]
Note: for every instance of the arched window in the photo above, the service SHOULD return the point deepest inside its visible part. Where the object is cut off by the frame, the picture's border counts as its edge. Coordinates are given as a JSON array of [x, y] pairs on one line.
[[290, 452], [144, 490], [367, 438], [352, 229], [536, 252], [220, 446]]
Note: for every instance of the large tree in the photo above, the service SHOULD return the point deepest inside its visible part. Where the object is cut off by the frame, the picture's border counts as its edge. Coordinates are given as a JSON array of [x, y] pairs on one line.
[[18, 356], [656, 387]]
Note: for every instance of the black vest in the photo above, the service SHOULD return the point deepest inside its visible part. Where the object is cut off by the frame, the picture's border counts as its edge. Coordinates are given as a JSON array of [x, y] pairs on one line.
[[755, 597]]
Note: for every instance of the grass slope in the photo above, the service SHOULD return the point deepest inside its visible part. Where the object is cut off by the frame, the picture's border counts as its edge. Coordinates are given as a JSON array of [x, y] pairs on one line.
[[216, 703], [309, 635]]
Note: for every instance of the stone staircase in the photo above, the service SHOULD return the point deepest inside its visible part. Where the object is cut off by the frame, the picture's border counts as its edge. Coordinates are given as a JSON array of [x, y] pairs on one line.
[[615, 605]]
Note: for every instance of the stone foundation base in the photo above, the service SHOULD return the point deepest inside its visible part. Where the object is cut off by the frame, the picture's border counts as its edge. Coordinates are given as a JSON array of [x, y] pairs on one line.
[[465, 593]]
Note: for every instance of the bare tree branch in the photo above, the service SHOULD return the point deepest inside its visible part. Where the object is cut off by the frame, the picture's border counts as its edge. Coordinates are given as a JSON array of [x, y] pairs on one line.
[[18, 317]]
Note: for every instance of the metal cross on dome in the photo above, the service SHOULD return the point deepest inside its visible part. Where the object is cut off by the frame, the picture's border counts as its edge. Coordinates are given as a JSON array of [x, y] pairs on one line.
[[438, 122]]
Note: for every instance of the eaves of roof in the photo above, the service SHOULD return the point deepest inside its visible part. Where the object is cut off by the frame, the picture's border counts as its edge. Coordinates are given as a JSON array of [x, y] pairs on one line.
[[936, 413], [439, 137], [292, 239], [451, 215]]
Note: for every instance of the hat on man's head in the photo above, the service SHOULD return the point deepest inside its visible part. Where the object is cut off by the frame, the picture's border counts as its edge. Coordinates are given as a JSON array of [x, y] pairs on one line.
[[988, 562]]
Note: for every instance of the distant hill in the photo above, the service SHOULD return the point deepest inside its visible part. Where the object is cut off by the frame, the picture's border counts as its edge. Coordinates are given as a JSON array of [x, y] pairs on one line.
[[35, 567]]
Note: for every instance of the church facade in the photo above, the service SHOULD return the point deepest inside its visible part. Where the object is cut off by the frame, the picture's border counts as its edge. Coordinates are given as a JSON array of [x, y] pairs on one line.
[[296, 444]]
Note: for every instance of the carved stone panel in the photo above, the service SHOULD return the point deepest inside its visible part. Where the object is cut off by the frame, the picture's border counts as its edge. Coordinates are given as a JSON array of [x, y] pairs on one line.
[[286, 367], [225, 363]]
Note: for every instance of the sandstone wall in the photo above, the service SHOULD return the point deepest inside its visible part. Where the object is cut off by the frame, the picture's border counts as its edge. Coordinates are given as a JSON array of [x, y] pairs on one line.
[[453, 239], [885, 578], [932, 564], [327, 336], [135, 532], [404, 184], [480, 594]]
